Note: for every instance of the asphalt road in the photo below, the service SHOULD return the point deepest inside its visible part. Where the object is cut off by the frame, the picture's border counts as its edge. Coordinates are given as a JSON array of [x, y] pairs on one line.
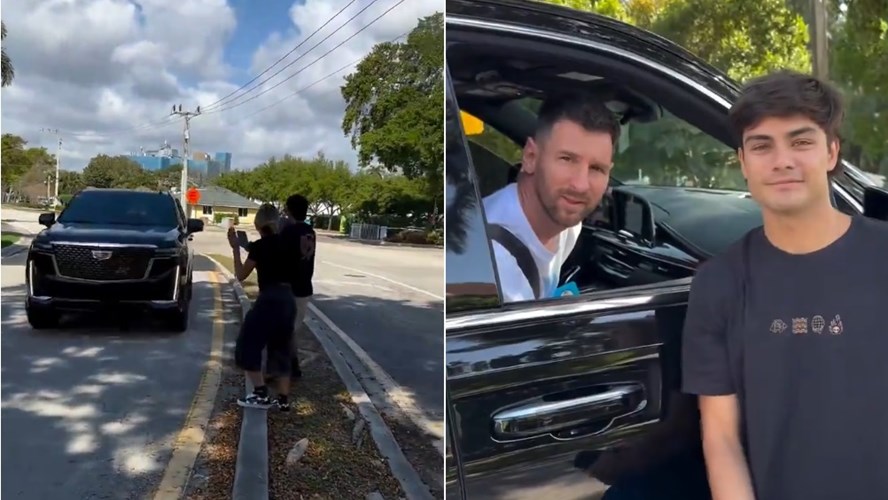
[[90, 411], [389, 300]]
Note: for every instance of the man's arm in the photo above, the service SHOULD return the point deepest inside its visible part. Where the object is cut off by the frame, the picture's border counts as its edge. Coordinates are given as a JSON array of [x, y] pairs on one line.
[[725, 461], [706, 372]]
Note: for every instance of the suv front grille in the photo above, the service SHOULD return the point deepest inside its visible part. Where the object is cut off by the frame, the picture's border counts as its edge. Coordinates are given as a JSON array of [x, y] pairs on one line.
[[75, 261]]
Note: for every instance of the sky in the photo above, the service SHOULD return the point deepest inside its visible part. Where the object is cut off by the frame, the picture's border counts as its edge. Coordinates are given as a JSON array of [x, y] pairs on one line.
[[106, 73]]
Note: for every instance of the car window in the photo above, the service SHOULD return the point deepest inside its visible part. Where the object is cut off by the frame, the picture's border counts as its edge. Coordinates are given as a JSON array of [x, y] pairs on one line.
[[669, 152], [121, 208], [494, 141], [471, 280], [672, 152]]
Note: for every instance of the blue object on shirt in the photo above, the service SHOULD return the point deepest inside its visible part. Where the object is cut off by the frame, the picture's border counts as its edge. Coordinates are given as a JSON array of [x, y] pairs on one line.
[[566, 289]]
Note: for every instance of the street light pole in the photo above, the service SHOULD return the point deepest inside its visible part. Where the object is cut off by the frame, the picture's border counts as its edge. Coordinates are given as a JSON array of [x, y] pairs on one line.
[[819, 39], [58, 166], [188, 115]]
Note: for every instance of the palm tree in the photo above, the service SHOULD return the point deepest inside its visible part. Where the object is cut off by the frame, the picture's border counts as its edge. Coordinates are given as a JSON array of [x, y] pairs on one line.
[[6, 71]]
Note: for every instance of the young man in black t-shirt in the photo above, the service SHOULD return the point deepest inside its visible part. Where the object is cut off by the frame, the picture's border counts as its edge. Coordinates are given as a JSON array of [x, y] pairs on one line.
[[269, 322], [301, 239], [784, 339]]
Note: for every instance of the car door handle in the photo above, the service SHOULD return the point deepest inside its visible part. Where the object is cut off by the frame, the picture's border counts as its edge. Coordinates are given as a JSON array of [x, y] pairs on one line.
[[546, 416]]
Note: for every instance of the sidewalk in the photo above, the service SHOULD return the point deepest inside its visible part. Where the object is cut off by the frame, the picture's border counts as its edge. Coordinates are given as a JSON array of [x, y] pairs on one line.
[[333, 443]]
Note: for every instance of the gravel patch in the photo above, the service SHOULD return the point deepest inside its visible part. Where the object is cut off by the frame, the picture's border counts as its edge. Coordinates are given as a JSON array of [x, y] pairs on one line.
[[332, 465]]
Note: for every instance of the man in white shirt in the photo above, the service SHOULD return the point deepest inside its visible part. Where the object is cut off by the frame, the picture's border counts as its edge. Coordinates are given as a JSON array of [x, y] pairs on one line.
[[536, 221]]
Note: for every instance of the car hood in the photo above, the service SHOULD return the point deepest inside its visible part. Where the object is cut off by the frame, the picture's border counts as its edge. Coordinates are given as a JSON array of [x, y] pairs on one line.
[[107, 233]]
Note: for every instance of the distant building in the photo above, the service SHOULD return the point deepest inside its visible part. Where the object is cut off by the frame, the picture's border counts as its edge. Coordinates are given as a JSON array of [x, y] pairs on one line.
[[201, 163], [224, 160], [216, 203]]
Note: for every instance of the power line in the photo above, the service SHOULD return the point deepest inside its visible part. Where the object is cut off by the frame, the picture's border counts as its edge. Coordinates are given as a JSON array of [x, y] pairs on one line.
[[311, 63], [220, 103], [284, 56], [303, 89], [168, 121]]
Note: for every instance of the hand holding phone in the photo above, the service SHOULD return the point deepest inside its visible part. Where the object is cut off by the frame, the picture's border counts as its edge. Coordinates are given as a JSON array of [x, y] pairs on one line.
[[242, 239]]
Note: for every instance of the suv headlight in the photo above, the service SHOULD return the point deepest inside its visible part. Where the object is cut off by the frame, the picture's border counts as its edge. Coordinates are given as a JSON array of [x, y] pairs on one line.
[[42, 246]]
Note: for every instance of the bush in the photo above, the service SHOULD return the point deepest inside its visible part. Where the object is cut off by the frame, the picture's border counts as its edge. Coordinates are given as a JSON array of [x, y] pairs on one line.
[[434, 237]]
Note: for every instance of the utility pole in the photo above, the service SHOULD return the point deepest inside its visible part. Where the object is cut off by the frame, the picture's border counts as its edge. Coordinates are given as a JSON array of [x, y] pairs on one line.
[[188, 115], [819, 39], [58, 134]]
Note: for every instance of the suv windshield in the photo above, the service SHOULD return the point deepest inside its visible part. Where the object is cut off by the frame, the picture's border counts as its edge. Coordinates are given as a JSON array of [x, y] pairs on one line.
[[121, 207]]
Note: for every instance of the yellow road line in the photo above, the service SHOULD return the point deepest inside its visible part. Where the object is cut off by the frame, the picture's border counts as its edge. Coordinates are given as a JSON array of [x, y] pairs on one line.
[[191, 437]]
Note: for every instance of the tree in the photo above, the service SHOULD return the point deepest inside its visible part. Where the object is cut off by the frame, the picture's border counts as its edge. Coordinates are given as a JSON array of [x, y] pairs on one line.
[[69, 182], [105, 171], [17, 161], [393, 100], [860, 43], [6, 69]]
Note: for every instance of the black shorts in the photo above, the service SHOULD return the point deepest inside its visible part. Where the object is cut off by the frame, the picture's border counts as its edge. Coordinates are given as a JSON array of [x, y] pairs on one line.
[[268, 324]]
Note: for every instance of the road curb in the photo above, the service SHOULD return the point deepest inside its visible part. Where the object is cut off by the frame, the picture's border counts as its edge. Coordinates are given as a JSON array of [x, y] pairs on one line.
[[19, 246], [400, 467], [251, 466], [412, 485], [16, 248]]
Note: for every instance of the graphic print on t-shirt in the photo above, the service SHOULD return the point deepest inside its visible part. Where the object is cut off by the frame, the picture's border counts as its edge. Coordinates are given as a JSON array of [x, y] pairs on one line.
[[802, 326], [307, 246]]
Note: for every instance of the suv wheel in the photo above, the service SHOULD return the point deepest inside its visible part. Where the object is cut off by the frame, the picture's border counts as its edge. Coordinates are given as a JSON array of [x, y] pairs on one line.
[[178, 318], [42, 317]]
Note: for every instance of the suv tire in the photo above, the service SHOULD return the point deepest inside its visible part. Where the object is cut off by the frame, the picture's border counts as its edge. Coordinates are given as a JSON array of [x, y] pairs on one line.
[[177, 320], [42, 317]]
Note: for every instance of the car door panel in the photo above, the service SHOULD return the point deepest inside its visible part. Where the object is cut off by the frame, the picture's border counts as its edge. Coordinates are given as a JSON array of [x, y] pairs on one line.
[[612, 357]]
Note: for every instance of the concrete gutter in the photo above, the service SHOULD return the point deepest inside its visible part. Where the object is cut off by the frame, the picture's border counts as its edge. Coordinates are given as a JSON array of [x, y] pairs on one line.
[[252, 483], [251, 469]]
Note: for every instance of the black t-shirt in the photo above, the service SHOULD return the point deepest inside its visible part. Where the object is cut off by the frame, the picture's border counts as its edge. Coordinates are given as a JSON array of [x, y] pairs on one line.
[[803, 342], [301, 240], [273, 264]]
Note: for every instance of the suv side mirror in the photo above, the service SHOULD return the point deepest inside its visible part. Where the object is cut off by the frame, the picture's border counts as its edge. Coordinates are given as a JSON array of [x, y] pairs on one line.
[[634, 217], [47, 219], [194, 226], [875, 202]]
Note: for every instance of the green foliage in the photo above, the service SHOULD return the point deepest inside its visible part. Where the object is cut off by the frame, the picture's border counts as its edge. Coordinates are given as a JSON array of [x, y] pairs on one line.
[[393, 113], [105, 171], [331, 187], [17, 159], [6, 68], [858, 54], [747, 39]]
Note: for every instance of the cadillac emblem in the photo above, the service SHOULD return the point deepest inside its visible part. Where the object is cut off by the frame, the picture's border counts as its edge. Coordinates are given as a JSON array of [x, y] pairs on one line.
[[101, 254]]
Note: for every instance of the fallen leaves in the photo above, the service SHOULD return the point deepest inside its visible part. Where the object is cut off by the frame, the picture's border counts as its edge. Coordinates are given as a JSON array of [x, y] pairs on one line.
[[331, 465]]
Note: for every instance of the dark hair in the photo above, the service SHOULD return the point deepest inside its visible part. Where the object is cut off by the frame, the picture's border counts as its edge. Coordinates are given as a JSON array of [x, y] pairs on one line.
[[788, 93], [297, 206], [585, 111]]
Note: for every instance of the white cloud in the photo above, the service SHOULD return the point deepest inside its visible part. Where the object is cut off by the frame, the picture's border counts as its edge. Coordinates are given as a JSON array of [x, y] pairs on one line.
[[107, 68]]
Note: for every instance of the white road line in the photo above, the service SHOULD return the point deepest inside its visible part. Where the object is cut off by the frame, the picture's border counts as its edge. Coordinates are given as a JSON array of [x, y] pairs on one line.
[[405, 285], [388, 384]]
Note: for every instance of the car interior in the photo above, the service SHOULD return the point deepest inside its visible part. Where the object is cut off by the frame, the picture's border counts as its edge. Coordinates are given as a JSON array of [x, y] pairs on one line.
[[503, 87]]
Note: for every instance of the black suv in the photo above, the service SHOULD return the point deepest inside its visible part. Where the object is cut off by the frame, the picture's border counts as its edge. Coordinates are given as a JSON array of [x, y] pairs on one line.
[[112, 247], [579, 397]]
